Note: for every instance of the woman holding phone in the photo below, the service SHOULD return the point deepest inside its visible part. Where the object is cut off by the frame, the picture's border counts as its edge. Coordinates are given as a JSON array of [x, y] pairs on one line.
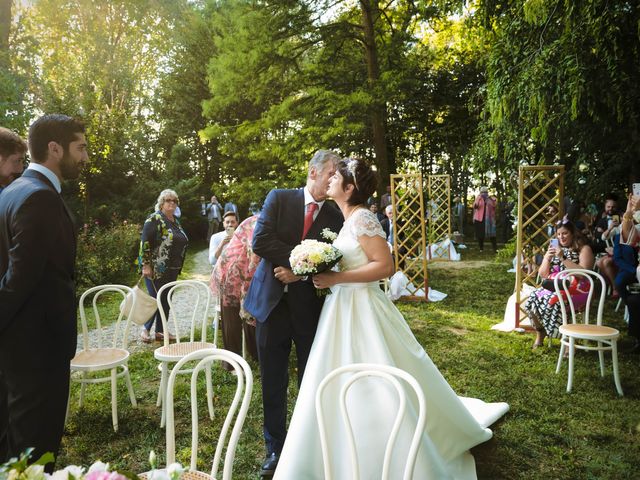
[[567, 250]]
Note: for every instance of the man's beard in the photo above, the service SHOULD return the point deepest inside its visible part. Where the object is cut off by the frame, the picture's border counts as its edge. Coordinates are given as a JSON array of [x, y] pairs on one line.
[[69, 169]]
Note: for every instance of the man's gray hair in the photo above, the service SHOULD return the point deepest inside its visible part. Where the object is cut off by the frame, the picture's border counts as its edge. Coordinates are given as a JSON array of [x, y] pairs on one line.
[[388, 208], [321, 158], [164, 194]]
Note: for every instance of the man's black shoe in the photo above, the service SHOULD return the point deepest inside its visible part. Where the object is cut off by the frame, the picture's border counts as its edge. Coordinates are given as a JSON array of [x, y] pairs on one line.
[[269, 465], [633, 349]]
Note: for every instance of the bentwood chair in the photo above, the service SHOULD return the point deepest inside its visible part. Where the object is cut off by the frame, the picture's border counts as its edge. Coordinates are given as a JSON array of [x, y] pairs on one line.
[[190, 300], [233, 421], [401, 382], [582, 335], [107, 350]]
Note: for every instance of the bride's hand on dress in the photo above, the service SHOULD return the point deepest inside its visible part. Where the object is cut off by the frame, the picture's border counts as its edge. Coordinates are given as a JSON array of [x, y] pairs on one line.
[[325, 280]]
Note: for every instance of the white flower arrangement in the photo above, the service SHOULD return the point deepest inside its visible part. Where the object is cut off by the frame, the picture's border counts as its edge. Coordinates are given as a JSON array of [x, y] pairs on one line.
[[312, 257], [328, 235], [19, 469]]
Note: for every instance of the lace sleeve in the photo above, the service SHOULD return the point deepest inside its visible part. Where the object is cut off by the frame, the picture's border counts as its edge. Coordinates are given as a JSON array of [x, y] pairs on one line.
[[366, 223]]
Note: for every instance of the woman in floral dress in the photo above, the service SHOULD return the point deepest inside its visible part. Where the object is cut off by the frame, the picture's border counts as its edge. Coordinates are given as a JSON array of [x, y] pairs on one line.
[[542, 305], [230, 281]]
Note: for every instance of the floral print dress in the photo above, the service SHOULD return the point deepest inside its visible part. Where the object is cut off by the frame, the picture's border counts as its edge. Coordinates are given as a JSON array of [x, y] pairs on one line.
[[539, 304]]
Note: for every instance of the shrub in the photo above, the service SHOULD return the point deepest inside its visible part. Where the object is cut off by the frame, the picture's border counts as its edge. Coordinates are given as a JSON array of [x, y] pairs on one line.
[[107, 254]]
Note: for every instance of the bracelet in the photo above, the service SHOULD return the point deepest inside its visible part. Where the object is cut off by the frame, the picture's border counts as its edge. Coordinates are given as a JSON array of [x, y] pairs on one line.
[[627, 217]]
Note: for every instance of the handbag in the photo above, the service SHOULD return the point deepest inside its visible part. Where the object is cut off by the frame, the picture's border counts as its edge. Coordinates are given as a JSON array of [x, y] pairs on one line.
[[144, 307]]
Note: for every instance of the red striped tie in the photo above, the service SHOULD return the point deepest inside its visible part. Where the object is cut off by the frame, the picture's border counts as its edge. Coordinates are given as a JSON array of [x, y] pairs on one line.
[[308, 218]]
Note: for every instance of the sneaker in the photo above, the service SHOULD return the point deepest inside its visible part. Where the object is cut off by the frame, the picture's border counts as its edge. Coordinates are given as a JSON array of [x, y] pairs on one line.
[[145, 336]]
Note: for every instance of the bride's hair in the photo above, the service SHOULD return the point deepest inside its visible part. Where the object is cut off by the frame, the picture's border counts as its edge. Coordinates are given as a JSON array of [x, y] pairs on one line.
[[358, 173]]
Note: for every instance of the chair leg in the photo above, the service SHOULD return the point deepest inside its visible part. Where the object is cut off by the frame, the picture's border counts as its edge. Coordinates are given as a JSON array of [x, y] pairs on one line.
[[132, 395], [83, 386], [163, 393], [114, 398], [601, 358], [571, 353], [561, 356], [614, 358], [209, 391]]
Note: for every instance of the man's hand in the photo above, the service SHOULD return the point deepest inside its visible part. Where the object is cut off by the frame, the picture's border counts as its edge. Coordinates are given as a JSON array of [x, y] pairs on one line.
[[285, 275]]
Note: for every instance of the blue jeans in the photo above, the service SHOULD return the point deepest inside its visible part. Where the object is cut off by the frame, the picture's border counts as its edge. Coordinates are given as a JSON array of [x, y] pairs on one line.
[[153, 286]]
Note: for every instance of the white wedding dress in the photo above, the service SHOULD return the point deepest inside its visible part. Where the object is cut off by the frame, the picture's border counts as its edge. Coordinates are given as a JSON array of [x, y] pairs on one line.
[[359, 324]]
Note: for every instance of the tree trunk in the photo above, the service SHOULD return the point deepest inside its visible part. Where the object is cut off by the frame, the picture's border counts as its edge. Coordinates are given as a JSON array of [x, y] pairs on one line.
[[377, 115], [5, 26]]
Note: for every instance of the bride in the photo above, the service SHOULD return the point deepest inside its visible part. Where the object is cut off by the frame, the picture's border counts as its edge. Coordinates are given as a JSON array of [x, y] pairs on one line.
[[358, 324]]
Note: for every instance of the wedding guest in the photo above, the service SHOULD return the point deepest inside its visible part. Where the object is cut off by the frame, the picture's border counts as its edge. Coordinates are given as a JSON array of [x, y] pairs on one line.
[[374, 209], [229, 282], [484, 218], [12, 150], [163, 246], [625, 248], [542, 306], [220, 240], [213, 212], [385, 199], [286, 306], [37, 290], [232, 207]]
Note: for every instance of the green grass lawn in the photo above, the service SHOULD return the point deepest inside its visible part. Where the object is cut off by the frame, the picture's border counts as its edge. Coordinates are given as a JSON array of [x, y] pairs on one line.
[[547, 434]]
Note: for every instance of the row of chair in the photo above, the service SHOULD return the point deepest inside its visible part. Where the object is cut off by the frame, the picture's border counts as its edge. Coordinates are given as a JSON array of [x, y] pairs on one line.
[[109, 350]]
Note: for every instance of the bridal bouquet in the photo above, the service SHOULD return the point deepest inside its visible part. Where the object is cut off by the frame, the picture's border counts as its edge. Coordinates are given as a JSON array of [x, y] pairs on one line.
[[20, 469], [312, 257]]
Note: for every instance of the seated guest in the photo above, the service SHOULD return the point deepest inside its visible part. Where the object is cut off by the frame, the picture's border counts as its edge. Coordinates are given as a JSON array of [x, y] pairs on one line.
[[220, 240], [230, 281], [605, 230], [625, 248], [542, 305]]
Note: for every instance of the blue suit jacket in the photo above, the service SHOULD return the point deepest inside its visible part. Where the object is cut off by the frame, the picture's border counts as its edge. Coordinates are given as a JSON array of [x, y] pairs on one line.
[[37, 274], [278, 231]]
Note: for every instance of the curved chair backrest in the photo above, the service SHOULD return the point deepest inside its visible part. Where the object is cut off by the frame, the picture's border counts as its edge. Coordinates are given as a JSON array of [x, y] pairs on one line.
[[241, 399], [196, 307], [392, 375], [120, 337], [562, 283]]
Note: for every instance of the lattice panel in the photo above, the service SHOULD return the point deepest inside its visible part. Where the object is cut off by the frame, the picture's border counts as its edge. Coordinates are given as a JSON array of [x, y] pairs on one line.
[[439, 216], [539, 187], [409, 248]]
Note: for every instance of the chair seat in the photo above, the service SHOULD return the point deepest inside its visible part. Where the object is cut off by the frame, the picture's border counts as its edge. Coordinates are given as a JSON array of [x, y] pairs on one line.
[[187, 475], [99, 359], [175, 351], [588, 331]]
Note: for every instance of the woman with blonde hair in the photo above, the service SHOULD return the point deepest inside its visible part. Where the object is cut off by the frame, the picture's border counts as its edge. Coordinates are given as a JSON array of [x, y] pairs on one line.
[[163, 246]]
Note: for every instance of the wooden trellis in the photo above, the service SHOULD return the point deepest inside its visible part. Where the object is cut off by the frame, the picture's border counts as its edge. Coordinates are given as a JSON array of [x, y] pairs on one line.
[[439, 215], [539, 187], [410, 246]]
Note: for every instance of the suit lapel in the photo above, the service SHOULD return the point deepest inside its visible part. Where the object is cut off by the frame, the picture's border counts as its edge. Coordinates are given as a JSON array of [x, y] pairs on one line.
[[298, 213], [320, 222]]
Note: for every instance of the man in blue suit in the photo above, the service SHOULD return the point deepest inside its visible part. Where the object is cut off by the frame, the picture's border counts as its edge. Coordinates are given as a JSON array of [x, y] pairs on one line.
[[286, 306], [37, 290]]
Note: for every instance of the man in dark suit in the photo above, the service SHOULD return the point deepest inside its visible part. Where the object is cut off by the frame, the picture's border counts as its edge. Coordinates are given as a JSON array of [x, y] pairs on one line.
[[37, 290], [286, 306]]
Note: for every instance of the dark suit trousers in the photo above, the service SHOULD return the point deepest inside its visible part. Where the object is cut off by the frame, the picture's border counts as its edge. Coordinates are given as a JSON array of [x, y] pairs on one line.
[[33, 409], [274, 338], [232, 327]]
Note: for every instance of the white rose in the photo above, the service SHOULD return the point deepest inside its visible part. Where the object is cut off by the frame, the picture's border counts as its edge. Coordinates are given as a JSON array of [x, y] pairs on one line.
[[98, 467]]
